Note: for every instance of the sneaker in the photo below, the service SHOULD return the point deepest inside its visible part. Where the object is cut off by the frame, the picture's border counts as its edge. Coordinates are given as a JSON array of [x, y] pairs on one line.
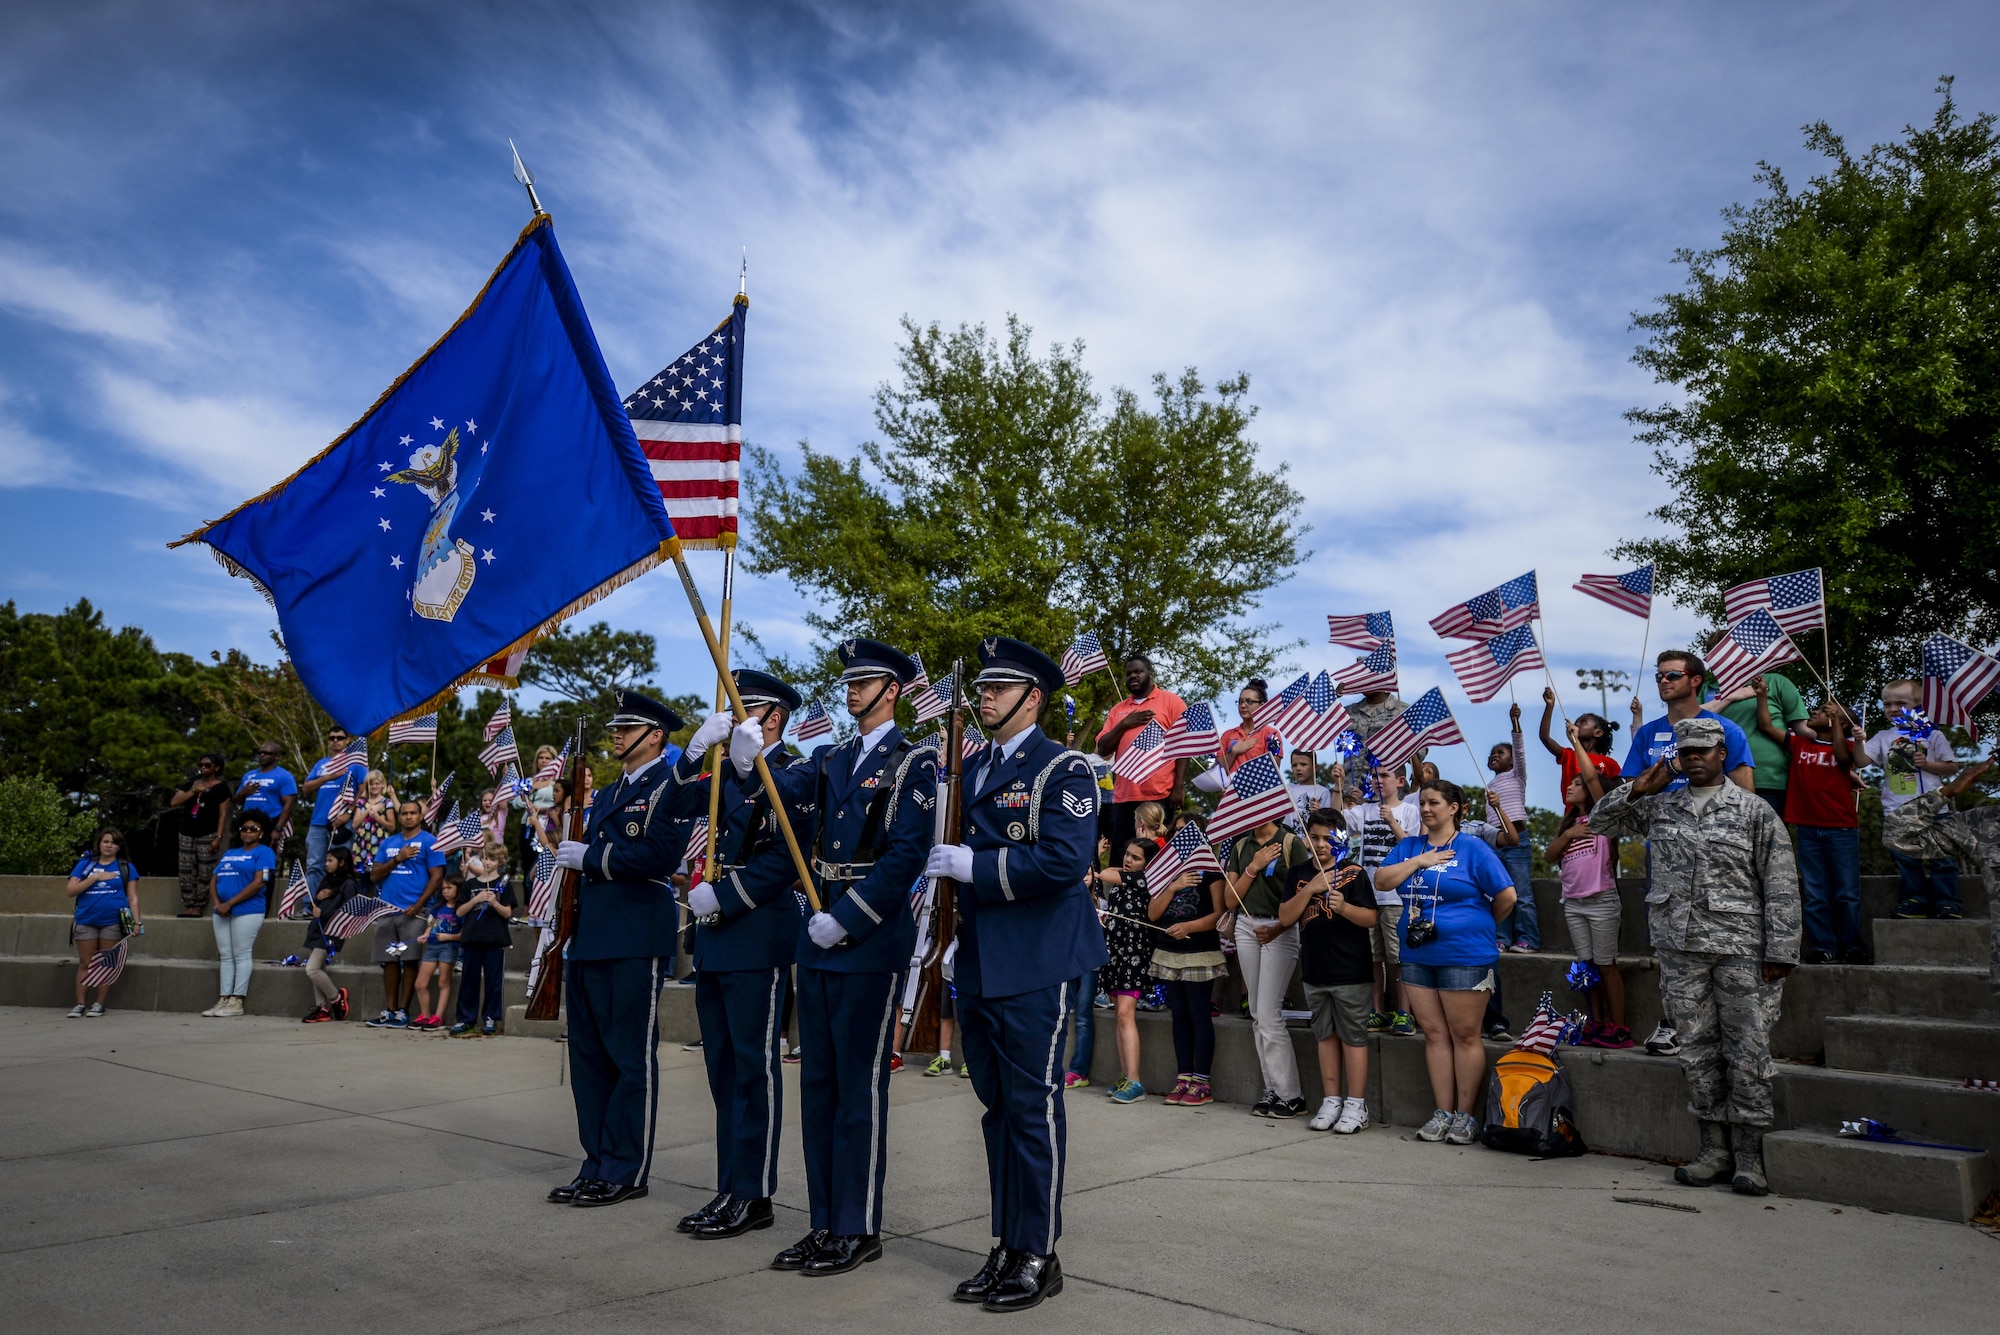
[[1463, 1129], [1128, 1091], [1197, 1093], [398, 1020], [895, 1062], [1950, 913], [1856, 955], [386, 1020], [1283, 1109], [232, 1008], [1330, 1109], [340, 1006], [1180, 1087], [317, 1015], [1262, 1107], [1353, 1117], [1912, 908], [794, 1057], [1101, 1002], [965, 1073], [1497, 1033], [216, 1009], [1404, 1024], [463, 1029], [941, 1065], [1523, 948], [1376, 1022], [692, 1045], [1817, 957], [96, 1010], [76, 1013], [1663, 1043], [1613, 1036], [1434, 1130], [1071, 1080]]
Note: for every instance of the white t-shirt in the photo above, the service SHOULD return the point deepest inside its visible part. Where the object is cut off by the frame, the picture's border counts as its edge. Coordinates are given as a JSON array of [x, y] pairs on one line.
[[1901, 780], [1306, 799], [1375, 843]]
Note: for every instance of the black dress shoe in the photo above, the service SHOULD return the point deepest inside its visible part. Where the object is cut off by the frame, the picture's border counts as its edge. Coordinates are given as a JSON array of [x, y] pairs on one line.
[[842, 1252], [1032, 1279], [737, 1217], [566, 1195], [795, 1256], [689, 1222], [998, 1262], [607, 1193]]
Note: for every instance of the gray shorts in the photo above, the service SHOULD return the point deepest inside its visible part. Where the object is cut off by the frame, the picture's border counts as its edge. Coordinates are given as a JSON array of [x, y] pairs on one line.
[[1340, 1011], [1385, 942], [1593, 927], [398, 929], [109, 935]]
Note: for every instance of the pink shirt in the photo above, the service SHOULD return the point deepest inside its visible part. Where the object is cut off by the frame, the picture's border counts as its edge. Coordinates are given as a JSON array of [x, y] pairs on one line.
[[1267, 740], [1167, 709], [1587, 867]]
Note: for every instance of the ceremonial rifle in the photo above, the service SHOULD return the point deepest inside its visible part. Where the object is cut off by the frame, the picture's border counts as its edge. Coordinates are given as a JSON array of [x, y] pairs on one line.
[[924, 1025], [545, 1002]]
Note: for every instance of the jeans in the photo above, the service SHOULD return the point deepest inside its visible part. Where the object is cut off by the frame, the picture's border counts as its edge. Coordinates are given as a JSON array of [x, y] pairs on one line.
[[1929, 881], [317, 838], [1086, 1024], [1267, 972], [235, 939], [481, 971], [1194, 1027], [1523, 924], [1830, 885]]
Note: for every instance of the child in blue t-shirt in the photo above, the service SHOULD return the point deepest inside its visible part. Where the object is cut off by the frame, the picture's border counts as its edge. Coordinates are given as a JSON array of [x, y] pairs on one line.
[[106, 909], [441, 955]]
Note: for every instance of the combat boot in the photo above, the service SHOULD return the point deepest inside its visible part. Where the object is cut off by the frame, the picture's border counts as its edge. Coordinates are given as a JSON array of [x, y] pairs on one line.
[[1714, 1164], [1749, 1179]]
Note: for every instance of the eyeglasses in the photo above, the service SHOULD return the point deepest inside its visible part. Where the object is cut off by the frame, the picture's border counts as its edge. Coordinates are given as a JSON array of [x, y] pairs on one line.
[[1668, 676]]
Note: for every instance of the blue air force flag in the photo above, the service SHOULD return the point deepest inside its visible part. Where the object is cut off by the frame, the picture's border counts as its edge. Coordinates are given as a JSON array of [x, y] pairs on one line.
[[493, 490]]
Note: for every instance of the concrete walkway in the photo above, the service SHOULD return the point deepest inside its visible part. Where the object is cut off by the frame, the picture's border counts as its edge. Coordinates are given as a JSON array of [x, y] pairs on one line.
[[164, 1172]]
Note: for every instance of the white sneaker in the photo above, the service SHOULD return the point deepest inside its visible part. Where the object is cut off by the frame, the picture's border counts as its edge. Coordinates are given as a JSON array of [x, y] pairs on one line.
[[1353, 1117], [1328, 1114], [1434, 1129], [75, 1013], [1464, 1130], [231, 1008], [1663, 1042], [96, 1010], [217, 1008]]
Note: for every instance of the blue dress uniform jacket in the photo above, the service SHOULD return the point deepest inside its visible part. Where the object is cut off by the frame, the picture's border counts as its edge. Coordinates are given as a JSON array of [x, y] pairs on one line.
[[757, 925], [1029, 933], [625, 903], [1032, 827]]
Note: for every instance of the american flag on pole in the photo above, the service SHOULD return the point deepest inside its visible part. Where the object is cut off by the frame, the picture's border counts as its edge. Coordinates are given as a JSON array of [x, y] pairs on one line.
[[814, 722], [447, 840], [1256, 794], [296, 891], [921, 681], [343, 800], [689, 420], [1485, 615], [552, 771], [1278, 705], [357, 914], [1957, 678], [1751, 646], [423, 728], [461, 832], [355, 753], [542, 887], [1546, 1030], [1630, 592], [503, 718], [1316, 719], [1083, 658], [1193, 733], [1373, 672], [934, 702], [500, 751], [1366, 631], [1143, 756], [1428, 722], [436, 804], [1187, 851], [970, 744], [696, 856], [107, 966], [1487, 665], [1797, 602]]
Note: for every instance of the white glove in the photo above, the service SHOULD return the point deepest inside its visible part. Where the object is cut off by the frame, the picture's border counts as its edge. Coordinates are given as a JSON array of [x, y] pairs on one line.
[[1211, 780], [744, 744], [952, 861], [825, 931], [711, 732], [569, 854], [702, 900]]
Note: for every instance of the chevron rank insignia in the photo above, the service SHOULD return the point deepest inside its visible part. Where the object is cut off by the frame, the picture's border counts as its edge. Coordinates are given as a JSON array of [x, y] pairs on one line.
[[1080, 807]]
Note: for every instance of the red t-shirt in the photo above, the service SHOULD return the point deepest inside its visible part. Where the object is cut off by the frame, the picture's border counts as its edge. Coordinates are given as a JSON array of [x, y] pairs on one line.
[[1167, 709], [1819, 792], [1268, 742], [1609, 770]]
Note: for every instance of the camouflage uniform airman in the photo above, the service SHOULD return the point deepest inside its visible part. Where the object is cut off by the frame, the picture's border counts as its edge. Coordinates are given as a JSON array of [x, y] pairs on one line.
[[1724, 901], [1927, 827]]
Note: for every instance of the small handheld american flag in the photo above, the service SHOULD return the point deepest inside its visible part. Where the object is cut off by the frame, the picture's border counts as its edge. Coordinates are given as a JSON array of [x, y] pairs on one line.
[[970, 743], [814, 722], [1957, 680], [1484, 667], [935, 702], [1428, 722], [1187, 851], [1372, 672], [542, 887], [1751, 646], [1256, 794], [503, 718], [1366, 631], [448, 839], [500, 751], [1193, 733], [1143, 755], [1082, 658], [463, 832], [1797, 602], [423, 728], [296, 891], [921, 681], [1485, 615], [107, 966], [343, 800], [1630, 592], [1321, 719], [357, 914], [436, 804], [552, 771]]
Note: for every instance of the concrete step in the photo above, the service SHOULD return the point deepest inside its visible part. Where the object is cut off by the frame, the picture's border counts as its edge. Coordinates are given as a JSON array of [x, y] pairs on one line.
[[1903, 1179], [1906, 1045], [171, 938], [159, 896], [1965, 942]]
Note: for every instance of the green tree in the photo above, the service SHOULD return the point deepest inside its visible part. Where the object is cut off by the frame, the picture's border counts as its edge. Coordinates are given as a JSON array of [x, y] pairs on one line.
[[1837, 359], [590, 665], [1004, 498], [39, 834]]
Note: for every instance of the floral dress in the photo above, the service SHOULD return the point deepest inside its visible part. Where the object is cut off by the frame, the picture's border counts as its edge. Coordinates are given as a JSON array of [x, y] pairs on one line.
[[1129, 942], [372, 824]]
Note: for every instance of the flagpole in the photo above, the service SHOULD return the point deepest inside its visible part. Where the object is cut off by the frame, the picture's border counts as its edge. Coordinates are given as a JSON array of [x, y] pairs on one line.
[[715, 752], [673, 547], [1546, 670], [1645, 643]]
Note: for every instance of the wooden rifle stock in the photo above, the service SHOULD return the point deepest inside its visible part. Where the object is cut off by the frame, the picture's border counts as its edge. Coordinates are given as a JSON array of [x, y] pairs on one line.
[[545, 1002], [924, 1024]]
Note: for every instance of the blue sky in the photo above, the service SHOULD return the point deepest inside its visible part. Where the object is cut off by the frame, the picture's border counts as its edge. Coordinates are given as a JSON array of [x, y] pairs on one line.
[[1421, 232]]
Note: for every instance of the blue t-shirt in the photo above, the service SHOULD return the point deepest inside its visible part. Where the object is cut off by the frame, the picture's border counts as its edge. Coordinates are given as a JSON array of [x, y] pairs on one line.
[[268, 790], [404, 885], [237, 868], [324, 794], [445, 922], [1655, 741], [99, 905], [1461, 893]]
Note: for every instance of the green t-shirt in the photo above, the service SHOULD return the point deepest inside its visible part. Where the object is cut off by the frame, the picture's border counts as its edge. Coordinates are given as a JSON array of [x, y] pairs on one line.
[[1264, 893], [1773, 761]]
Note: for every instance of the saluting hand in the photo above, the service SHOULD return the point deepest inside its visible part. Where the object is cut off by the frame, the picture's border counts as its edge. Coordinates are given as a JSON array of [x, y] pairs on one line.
[[1654, 780]]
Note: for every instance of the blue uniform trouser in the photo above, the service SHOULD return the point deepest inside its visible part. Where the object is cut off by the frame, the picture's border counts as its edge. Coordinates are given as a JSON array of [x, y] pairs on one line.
[[1015, 1046], [847, 1023], [740, 1014], [614, 1063]]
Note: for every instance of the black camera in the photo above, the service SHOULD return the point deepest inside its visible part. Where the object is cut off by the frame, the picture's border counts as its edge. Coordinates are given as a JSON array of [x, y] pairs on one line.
[[1422, 932]]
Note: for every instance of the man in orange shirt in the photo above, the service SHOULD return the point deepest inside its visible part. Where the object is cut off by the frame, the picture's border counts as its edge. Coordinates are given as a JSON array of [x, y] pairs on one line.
[[1146, 702]]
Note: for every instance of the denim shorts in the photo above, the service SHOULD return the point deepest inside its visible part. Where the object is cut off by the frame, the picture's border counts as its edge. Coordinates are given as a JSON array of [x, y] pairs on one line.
[[1448, 977], [441, 952]]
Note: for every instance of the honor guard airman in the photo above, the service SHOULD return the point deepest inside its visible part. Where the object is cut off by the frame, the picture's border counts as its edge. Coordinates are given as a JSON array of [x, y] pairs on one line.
[[1029, 934], [627, 921], [874, 797], [745, 941]]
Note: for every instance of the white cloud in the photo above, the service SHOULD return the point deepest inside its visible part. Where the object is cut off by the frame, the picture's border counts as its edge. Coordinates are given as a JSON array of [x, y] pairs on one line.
[[239, 443], [43, 290]]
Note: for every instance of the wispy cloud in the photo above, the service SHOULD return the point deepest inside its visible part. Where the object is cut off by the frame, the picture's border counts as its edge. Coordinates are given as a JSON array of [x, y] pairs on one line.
[[51, 293]]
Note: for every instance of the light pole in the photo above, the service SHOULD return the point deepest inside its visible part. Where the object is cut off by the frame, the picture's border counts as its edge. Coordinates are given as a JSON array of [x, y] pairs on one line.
[[1603, 681]]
